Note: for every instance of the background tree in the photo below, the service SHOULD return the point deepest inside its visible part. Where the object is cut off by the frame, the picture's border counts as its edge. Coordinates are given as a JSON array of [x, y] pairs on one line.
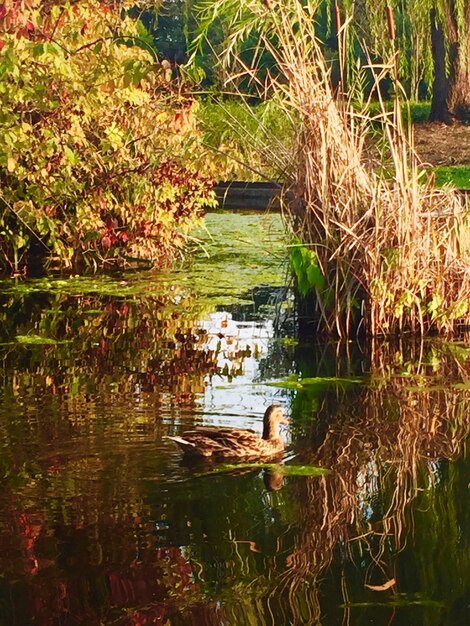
[[172, 25], [370, 31], [450, 38], [433, 44], [168, 26]]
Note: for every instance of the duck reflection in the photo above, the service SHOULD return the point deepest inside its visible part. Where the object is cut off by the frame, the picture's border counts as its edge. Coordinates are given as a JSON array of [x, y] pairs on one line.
[[273, 480]]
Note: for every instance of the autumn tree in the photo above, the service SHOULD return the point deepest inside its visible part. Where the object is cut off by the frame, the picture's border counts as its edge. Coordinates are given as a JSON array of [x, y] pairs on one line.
[[98, 149]]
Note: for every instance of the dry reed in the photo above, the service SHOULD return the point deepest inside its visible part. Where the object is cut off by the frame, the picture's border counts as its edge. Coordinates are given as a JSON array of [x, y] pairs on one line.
[[393, 251]]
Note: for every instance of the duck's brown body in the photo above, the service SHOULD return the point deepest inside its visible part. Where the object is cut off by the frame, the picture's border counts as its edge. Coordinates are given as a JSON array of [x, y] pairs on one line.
[[224, 443]]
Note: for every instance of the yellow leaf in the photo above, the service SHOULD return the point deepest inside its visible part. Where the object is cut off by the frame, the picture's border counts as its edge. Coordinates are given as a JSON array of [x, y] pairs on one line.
[[11, 164], [384, 587], [251, 545]]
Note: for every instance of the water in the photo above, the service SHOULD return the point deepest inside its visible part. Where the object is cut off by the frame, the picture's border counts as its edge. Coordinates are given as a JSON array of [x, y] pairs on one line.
[[102, 523]]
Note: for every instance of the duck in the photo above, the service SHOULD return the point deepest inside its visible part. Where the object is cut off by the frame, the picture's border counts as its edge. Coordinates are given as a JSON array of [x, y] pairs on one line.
[[219, 443]]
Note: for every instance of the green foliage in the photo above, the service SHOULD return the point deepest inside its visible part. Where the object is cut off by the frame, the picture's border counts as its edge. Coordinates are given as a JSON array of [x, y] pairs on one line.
[[167, 28], [304, 262], [246, 138], [415, 112], [419, 111], [370, 31], [93, 143]]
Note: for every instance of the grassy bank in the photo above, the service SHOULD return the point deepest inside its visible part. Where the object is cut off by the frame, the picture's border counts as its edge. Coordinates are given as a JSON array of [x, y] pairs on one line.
[[456, 175]]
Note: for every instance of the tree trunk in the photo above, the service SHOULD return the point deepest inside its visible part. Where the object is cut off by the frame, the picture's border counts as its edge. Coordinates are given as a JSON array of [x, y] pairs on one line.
[[450, 41], [439, 110]]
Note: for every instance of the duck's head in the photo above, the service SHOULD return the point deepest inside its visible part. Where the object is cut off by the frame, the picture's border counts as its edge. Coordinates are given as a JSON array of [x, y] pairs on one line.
[[273, 417]]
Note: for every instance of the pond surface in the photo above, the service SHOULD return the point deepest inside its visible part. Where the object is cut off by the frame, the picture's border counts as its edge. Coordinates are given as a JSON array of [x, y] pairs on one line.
[[102, 523]]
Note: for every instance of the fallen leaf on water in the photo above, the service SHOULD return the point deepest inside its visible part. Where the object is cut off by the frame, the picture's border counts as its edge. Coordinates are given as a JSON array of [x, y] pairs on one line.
[[383, 587]]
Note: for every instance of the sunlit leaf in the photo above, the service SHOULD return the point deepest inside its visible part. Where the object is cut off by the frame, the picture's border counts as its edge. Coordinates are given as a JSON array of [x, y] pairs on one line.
[[293, 382], [35, 339], [285, 470]]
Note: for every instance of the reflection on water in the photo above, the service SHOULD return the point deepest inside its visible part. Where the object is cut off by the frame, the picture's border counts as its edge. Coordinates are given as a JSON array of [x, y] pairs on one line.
[[102, 523]]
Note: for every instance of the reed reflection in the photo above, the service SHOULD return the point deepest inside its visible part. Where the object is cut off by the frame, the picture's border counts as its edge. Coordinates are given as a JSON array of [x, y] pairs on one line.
[[392, 446]]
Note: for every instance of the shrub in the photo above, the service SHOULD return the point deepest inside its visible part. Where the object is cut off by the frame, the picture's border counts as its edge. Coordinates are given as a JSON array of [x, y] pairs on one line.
[[93, 142]]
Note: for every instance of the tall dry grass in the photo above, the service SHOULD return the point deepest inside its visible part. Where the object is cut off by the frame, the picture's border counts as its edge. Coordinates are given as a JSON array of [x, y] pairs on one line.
[[393, 251]]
